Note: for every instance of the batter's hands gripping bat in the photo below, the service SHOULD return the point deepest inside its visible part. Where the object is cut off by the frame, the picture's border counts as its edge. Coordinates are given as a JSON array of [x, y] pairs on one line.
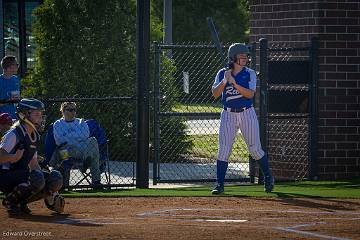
[[216, 40]]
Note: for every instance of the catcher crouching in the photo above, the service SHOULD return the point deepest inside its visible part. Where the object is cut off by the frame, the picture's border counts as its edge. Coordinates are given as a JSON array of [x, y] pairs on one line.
[[21, 177]]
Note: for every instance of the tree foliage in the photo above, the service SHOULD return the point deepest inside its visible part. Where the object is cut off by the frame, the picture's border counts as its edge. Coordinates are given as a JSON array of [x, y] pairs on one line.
[[84, 48], [87, 49], [231, 18]]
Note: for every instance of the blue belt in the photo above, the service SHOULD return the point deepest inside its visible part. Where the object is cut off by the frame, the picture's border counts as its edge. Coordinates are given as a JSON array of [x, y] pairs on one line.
[[237, 110]]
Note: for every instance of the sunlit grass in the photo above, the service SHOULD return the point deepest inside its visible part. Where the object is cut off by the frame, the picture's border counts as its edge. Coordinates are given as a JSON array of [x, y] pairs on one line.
[[307, 189], [214, 107], [206, 146]]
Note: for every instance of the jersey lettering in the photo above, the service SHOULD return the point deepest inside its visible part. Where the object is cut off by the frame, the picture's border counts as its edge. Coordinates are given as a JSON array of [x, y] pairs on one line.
[[231, 91]]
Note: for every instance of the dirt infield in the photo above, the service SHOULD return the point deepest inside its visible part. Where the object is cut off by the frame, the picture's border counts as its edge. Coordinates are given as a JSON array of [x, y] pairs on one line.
[[189, 218]]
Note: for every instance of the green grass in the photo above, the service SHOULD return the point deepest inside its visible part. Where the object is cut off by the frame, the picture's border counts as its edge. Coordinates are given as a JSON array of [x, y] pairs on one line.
[[206, 146], [214, 107], [305, 189]]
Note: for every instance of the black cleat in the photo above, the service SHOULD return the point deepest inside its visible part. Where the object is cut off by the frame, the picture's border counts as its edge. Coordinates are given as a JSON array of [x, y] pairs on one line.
[[12, 209], [219, 189]]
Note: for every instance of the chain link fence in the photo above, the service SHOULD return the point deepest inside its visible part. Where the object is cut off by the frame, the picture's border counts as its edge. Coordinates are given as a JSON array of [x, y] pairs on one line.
[[186, 117], [288, 108]]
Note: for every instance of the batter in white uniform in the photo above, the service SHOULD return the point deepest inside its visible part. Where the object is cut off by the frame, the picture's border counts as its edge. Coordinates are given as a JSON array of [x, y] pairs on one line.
[[237, 86]]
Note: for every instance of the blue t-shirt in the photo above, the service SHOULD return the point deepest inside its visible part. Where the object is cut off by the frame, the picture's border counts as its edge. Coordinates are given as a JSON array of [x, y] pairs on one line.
[[231, 98], [7, 88]]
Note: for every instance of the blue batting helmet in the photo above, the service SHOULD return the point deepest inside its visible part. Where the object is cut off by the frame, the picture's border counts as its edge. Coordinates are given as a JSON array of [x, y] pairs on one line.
[[235, 49]]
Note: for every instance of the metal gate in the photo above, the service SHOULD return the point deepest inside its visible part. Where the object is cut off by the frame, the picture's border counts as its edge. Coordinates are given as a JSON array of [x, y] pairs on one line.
[[186, 117], [288, 108]]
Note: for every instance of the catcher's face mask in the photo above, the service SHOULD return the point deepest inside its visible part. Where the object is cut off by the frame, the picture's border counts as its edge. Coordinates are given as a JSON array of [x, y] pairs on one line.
[[37, 119]]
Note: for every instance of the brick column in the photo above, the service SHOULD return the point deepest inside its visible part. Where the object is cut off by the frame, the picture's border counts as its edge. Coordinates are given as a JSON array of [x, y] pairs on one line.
[[337, 25]]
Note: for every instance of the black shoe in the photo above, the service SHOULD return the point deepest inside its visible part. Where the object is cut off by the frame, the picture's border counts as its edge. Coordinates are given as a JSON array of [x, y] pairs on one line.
[[219, 189], [12, 209], [25, 209]]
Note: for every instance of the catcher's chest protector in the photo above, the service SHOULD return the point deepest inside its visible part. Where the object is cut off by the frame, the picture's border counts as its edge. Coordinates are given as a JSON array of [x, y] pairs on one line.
[[28, 144]]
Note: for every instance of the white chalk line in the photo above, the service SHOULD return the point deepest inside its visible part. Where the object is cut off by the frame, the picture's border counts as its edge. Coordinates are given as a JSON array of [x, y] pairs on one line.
[[95, 221], [307, 233], [223, 221], [291, 229], [205, 218], [311, 212], [161, 212]]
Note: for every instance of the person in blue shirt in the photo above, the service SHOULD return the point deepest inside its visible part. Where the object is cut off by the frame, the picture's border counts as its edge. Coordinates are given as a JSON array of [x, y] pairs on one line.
[[9, 86], [72, 136]]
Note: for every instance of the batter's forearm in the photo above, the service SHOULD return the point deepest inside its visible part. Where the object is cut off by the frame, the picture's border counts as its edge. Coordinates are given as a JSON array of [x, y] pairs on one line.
[[218, 89], [248, 93]]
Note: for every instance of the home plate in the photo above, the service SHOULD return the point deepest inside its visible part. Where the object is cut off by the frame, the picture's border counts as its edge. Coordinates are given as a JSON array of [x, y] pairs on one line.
[[223, 220]]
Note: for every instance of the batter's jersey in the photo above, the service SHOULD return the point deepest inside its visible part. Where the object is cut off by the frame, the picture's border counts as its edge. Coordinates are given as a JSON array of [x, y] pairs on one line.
[[231, 98]]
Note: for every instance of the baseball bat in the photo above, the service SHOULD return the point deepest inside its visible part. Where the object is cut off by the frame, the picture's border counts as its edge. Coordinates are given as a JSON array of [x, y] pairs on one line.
[[216, 40]]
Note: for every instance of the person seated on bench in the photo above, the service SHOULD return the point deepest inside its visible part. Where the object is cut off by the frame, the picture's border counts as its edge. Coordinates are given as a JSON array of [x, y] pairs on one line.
[[72, 137]]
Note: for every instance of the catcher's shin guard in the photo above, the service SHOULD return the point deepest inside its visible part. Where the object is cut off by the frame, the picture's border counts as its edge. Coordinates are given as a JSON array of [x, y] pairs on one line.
[[35, 197], [37, 180], [53, 183]]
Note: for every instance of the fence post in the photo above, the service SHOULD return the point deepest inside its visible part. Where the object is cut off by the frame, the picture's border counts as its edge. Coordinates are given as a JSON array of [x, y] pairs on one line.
[[156, 113], [313, 108], [263, 96], [263, 91], [2, 44], [142, 71], [252, 66], [22, 38]]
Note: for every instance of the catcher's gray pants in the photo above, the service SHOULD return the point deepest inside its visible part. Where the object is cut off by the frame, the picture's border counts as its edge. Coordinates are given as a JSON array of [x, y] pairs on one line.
[[85, 154]]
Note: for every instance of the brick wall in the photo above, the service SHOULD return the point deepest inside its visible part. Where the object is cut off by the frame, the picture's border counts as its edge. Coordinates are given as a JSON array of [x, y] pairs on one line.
[[337, 25]]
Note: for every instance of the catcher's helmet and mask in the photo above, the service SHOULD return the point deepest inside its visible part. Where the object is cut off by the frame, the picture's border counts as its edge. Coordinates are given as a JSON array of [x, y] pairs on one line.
[[234, 50], [24, 108]]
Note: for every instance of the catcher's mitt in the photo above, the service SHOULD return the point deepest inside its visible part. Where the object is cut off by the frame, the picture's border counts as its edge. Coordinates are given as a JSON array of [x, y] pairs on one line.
[[57, 205]]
